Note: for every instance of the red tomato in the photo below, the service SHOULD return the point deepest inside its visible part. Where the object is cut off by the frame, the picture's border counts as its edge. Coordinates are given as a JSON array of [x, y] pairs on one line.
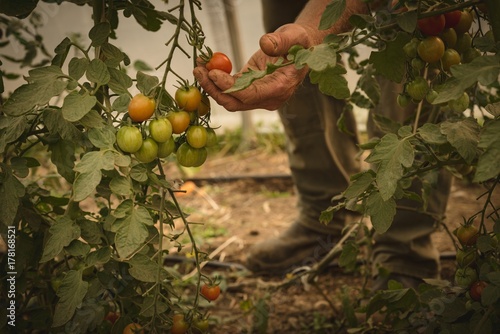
[[210, 292], [179, 325], [219, 61], [452, 18], [464, 23], [476, 290], [432, 26]]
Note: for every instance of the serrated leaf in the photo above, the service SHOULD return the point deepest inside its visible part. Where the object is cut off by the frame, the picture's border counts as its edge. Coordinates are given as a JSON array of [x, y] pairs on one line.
[[121, 103], [92, 119], [246, 80], [391, 61], [76, 106], [317, 58], [407, 20], [120, 185], [146, 83], [77, 67], [61, 234], [63, 156], [122, 160], [55, 122], [102, 137], [149, 18], [488, 165], [139, 173], [151, 306], [331, 82], [463, 135], [385, 124], [144, 269], [131, 232], [431, 134], [95, 160], [100, 33], [391, 155], [77, 248], [483, 69], [370, 86], [11, 190], [13, 128], [332, 13], [85, 184], [100, 256], [113, 55], [98, 72], [71, 293], [493, 109], [381, 211], [119, 81], [359, 184], [43, 84]]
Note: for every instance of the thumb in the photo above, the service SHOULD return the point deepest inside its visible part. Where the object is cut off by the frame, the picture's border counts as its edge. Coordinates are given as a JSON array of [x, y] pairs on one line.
[[279, 42]]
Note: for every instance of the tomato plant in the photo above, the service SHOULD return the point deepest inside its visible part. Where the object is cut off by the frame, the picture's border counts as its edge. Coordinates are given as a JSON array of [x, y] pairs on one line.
[[219, 61], [188, 98], [141, 108], [431, 49], [432, 26], [210, 292], [179, 119], [196, 136], [160, 130], [129, 139]]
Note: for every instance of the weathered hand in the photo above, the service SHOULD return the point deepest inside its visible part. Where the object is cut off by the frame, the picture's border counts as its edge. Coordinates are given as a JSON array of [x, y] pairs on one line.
[[269, 92]]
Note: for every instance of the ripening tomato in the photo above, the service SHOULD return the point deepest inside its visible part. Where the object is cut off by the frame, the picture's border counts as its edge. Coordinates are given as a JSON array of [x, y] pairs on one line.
[[133, 328], [179, 325], [129, 139], [160, 130], [431, 49], [141, 108], [188, 98], [467, 234], [204, 107], [166, 148], [112, 317], [148, 151], [418, 88], [196, 136], [449, 37], [179, 120], [210, 292], [200, 326], [465, 22], [476, 290], [450, 58], [219, 61], [432, 26], [452, 18]]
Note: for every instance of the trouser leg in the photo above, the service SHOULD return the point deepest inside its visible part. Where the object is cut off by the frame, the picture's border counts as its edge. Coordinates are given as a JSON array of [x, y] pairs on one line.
[[406, 248]]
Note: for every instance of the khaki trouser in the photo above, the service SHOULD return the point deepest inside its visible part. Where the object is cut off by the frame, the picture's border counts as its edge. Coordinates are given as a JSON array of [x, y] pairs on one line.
[[322, 158]]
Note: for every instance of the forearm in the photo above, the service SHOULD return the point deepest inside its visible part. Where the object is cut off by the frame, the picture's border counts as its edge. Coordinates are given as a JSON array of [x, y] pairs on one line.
[[310, 18]]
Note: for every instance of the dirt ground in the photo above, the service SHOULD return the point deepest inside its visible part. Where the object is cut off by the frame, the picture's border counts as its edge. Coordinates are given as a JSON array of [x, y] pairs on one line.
[[243, 199]]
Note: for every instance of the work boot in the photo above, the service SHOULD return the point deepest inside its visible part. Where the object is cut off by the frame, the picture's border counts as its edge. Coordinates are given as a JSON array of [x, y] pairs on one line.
[[320, 170]]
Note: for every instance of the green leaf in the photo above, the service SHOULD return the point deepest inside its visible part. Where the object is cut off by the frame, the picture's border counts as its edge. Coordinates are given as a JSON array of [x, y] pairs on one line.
[[349, 256], [331, 82], [385, 124], [99, 33], [131, 231], [407, 20], [63, 156], [100, 256], [318, 58], [11, 190], [43, 84], [17, 8], [381, 211], [391, 155], [55, 122], [484, 69], [359, 184], [113, 55], [76, 106], [146, 83], [77, 248], [490, 295], [493, 109], [122, 160], [11, 129], [119, 81], [61, 234], [104, 137], [332, 13], [71, 293], [370, 86], [251, 75], [61, 50], [391, 61], [95, 160], [463, 135], [92, 119], [85, 184], [121, 103], [77, 67], [98, 72], [139, 173], [431, 134], [151, 306], [121, 185], [488, 165], [144, 269]]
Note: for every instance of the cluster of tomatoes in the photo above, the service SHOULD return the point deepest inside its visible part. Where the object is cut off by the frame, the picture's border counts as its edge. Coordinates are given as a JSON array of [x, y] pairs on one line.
[[466, 275], [156, 139], [443, 41]]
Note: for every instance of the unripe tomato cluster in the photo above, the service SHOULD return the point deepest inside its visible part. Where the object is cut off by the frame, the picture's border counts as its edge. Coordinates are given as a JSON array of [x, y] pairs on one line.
[[178, 131], [440, 42]]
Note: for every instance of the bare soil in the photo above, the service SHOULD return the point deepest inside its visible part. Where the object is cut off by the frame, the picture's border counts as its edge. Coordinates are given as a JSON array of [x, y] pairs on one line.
[[242, 199]]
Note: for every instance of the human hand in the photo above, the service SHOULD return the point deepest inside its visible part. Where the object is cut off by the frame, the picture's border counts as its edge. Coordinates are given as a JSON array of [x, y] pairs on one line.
[[270, 92]]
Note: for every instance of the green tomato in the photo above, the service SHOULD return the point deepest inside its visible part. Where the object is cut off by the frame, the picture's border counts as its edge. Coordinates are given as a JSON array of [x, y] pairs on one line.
[[418, 88], [403, 100], [189, 156], [461, 104], [211, 137], [160, 130], [166, 148], [148, 151], [196, 136], [129, 139], [464, 277]]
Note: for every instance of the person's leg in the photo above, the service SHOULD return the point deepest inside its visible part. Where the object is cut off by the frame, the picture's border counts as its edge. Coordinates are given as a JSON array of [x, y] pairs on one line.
[[406, 248], [321, 160]]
